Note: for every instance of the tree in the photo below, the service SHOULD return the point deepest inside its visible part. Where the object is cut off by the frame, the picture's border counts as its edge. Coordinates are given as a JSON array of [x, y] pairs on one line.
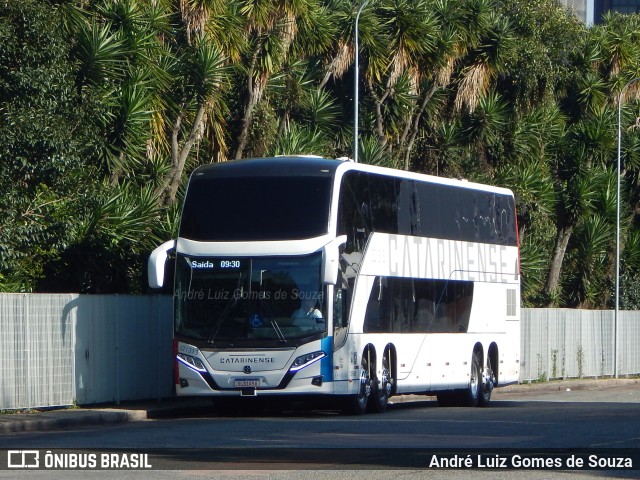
[[272, 27], [205, 72], [107, 106], [46, 143], [158, 86], [533, 149], [600, 63]]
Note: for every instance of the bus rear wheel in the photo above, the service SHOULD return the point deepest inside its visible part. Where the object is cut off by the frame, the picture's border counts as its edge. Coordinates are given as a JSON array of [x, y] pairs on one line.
[[487, 384], [469, 397], [472, 394], [379, 400]]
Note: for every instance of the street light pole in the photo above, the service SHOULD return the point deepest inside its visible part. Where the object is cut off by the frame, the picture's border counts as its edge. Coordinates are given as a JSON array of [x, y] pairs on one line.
[[356, 81], [619, 171]]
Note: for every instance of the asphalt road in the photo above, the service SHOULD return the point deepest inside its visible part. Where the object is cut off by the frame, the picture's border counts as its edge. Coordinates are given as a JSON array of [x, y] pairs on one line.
[[568, 418]]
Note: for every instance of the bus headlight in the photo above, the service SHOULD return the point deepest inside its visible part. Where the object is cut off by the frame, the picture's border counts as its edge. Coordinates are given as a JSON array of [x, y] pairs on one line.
[[191, 362], [305, 360]]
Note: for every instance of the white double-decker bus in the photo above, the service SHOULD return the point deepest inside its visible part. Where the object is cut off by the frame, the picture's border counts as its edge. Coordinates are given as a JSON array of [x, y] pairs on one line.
[[304, 276]]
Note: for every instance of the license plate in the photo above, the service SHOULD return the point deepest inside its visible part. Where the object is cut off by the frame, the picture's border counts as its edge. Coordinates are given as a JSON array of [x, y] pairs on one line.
[[247, 382]]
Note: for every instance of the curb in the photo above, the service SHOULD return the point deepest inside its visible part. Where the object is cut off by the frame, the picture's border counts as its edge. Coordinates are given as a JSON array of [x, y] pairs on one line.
[[573, 384], [58, 420]]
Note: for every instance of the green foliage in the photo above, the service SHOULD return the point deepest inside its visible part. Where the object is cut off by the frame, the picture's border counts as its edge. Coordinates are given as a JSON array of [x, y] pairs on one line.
[[298, 140], [630, 291], [46, 143], [541, 60], [588, 262], [630, 271], [319, 110], [107, 106], [372, 153]]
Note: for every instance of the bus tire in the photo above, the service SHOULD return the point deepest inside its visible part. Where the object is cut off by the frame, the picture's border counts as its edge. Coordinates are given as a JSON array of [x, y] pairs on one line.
[[472, 394], [486, 385], [357, 404], [379, 400]]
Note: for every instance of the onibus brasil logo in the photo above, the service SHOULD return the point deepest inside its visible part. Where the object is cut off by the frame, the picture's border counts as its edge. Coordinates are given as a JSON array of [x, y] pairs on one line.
[[35, 459]]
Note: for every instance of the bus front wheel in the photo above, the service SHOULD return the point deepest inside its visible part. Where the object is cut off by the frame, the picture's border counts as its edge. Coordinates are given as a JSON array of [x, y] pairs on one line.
[[357, 404]]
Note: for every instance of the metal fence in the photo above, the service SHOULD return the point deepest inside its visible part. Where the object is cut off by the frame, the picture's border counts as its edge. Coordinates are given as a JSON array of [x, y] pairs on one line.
[[565, 343], [63, 349]]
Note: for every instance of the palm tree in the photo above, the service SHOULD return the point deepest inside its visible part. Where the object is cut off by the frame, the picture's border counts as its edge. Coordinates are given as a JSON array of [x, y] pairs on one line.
[[272, 28], [394, 67], [297, 140], [532, 147], [472, 45], [124, 55], [629, 277], [591, 143], [577, 189], [204, 72], [589, 258], [486, 61], [159, 77]]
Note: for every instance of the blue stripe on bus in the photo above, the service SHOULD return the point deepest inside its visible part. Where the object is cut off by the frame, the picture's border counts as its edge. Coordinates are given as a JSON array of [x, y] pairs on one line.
[[326, 364]]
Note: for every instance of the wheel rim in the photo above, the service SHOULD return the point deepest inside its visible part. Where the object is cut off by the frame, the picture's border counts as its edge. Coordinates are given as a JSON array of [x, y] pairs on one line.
[[474, 382], [490, 381], [386, 383], [385, 380], [365, 385]]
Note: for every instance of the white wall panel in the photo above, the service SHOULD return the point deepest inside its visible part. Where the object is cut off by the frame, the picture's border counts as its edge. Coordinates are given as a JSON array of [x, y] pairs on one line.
[[62, 349]]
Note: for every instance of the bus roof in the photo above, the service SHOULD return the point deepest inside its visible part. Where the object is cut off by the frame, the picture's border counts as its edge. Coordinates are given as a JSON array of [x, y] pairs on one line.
[[270, 167], [294, 165]]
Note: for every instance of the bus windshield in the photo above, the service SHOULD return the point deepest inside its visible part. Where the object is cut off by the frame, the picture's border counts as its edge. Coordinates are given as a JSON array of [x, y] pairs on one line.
[[249, 302], [221, 209]]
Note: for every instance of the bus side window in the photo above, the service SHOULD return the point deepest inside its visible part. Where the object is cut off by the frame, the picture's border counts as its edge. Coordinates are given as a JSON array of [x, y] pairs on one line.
[[339, 317], [341, 303], [454, 307], [425, 313], [372, 314], [340, 311]]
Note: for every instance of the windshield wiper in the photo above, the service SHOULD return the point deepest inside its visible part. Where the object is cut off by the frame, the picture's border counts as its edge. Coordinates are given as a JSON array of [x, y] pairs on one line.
[[223, 316], [269, 314], [279, 333], [225, 313]]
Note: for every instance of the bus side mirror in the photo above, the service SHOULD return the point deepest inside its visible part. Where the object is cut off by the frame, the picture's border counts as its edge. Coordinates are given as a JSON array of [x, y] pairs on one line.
[[157, 262], [331, 260]]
